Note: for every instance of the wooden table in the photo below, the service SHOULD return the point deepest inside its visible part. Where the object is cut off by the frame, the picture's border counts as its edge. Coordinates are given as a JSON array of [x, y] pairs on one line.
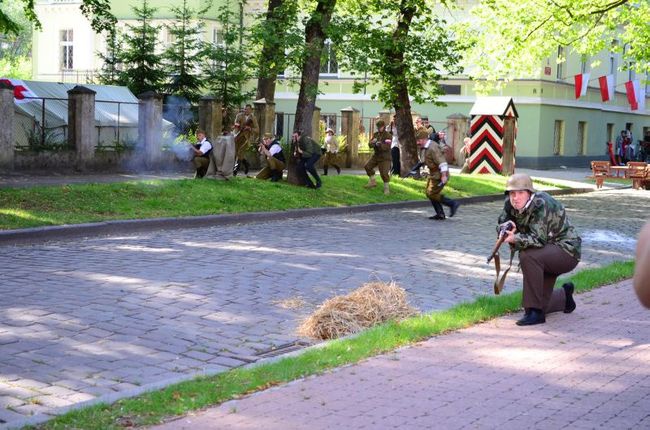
[[618, 169]]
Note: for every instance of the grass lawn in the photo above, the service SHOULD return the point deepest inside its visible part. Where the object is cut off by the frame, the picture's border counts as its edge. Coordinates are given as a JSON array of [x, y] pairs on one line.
[[81, 203], [179, 399]]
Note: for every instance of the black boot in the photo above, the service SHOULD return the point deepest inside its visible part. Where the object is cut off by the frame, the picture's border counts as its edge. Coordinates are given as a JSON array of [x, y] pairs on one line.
[[324, 171], [338, 170], [532, 317], [570, 305], [440, 214], [452, 204], [245, 163], [236, 169]]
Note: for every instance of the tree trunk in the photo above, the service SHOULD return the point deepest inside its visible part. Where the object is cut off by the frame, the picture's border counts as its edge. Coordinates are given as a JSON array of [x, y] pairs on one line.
[[315, 34], [402, 105], [272, 49]]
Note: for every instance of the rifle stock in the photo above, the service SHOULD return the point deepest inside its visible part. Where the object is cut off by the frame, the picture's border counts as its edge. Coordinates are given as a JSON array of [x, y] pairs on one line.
[[497, 245]]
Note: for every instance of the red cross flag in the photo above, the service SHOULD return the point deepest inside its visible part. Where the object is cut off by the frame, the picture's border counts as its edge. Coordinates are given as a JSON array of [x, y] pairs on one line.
[[581, 81], [635, 94], [606, 84], [21, 92]]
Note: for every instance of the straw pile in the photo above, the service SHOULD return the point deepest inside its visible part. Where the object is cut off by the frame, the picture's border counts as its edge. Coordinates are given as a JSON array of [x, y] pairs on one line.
[[373, 303]]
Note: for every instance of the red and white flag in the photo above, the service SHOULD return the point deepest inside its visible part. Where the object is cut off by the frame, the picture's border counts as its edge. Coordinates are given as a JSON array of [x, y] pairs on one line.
[[606, 87], [21, 92], [635, 94], [581, 81]]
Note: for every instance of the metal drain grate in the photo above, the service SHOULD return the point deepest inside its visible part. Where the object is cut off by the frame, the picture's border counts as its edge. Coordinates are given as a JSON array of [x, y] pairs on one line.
[[283, 349]]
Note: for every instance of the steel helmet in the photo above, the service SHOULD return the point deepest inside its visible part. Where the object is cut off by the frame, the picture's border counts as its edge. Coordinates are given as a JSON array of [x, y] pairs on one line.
[[519, 182]]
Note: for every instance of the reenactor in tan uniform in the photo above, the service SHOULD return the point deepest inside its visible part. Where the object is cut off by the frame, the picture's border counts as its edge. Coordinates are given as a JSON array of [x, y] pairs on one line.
[[381, 158], [438, 176], [249, 134], [331, 152], [275, 161]]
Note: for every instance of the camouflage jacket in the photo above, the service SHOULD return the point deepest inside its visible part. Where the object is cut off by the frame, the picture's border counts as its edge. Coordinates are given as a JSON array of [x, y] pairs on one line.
[[544, 221]]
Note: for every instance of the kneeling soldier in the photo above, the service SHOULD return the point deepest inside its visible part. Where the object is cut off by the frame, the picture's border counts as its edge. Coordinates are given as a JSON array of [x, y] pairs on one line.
[[274, 159], [548, 246], [201, 151]]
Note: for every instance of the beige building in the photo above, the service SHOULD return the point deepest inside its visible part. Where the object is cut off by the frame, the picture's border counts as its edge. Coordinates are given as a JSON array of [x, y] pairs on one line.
[[553, 129]]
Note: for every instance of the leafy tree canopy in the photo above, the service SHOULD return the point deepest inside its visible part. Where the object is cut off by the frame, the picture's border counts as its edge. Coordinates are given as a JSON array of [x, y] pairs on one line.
[[379, 45], [97, 11], [511, 37]]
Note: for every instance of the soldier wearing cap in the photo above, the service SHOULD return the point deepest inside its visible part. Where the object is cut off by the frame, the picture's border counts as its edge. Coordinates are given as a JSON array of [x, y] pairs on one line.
[[201, 154], [275, 160], [428, 127], [381, 157], [548, 246], [438, 176], [247, 136], [331, 152]]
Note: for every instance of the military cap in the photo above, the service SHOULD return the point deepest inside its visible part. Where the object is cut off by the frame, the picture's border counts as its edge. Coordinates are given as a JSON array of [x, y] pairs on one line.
[[519, 182], [421, 134]]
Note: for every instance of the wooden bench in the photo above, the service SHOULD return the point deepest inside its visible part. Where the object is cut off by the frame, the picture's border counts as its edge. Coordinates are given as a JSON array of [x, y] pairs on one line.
[[600, 170], [638, 172]]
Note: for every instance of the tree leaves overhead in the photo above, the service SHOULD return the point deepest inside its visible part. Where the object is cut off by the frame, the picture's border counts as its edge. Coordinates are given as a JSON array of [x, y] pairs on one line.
[[99, 14], [511, 37], [368, 36], [228, 63], [183, 58]]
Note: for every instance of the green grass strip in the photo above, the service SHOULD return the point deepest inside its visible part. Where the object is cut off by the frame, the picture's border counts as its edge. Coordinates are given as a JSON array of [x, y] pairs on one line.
[[179, 399], [82, 203]]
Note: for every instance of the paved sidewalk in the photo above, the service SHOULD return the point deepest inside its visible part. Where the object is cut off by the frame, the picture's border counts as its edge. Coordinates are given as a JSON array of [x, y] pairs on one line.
[[96, 319], [585, 370]]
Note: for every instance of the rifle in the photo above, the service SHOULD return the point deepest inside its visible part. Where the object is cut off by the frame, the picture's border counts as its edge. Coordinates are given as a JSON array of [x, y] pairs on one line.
[[503, 229], [498, 282]]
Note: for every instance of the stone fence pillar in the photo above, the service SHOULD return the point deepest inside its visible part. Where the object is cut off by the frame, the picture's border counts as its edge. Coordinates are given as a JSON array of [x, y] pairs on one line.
[[7, 144], [82, 133], [265, 116], [385, 116], [150, 128], [350, 129], [211, 117], [457, 129]]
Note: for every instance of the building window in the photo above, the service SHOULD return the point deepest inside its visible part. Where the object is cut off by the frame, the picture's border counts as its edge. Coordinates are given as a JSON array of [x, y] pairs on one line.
[[328, 65], [218, 38], [67, 62], [613, 59], [560, 65], [582, 137], [631, 75], [610, 132], [451, 89], [558, 138]]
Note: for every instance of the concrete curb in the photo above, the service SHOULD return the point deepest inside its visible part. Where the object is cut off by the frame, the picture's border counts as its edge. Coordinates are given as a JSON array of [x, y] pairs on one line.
[[110, 228]]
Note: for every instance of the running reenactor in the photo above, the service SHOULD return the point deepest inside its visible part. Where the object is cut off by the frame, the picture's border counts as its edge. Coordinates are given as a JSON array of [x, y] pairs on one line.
[[438, 176], [381, 158]]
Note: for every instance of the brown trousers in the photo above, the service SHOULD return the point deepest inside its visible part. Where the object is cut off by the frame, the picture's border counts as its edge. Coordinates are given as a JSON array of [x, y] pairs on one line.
[[541, 267], [273, 165], [383, 165]]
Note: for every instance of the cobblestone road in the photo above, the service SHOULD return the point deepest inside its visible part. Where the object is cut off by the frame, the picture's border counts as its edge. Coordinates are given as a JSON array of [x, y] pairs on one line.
[[101, 318]]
